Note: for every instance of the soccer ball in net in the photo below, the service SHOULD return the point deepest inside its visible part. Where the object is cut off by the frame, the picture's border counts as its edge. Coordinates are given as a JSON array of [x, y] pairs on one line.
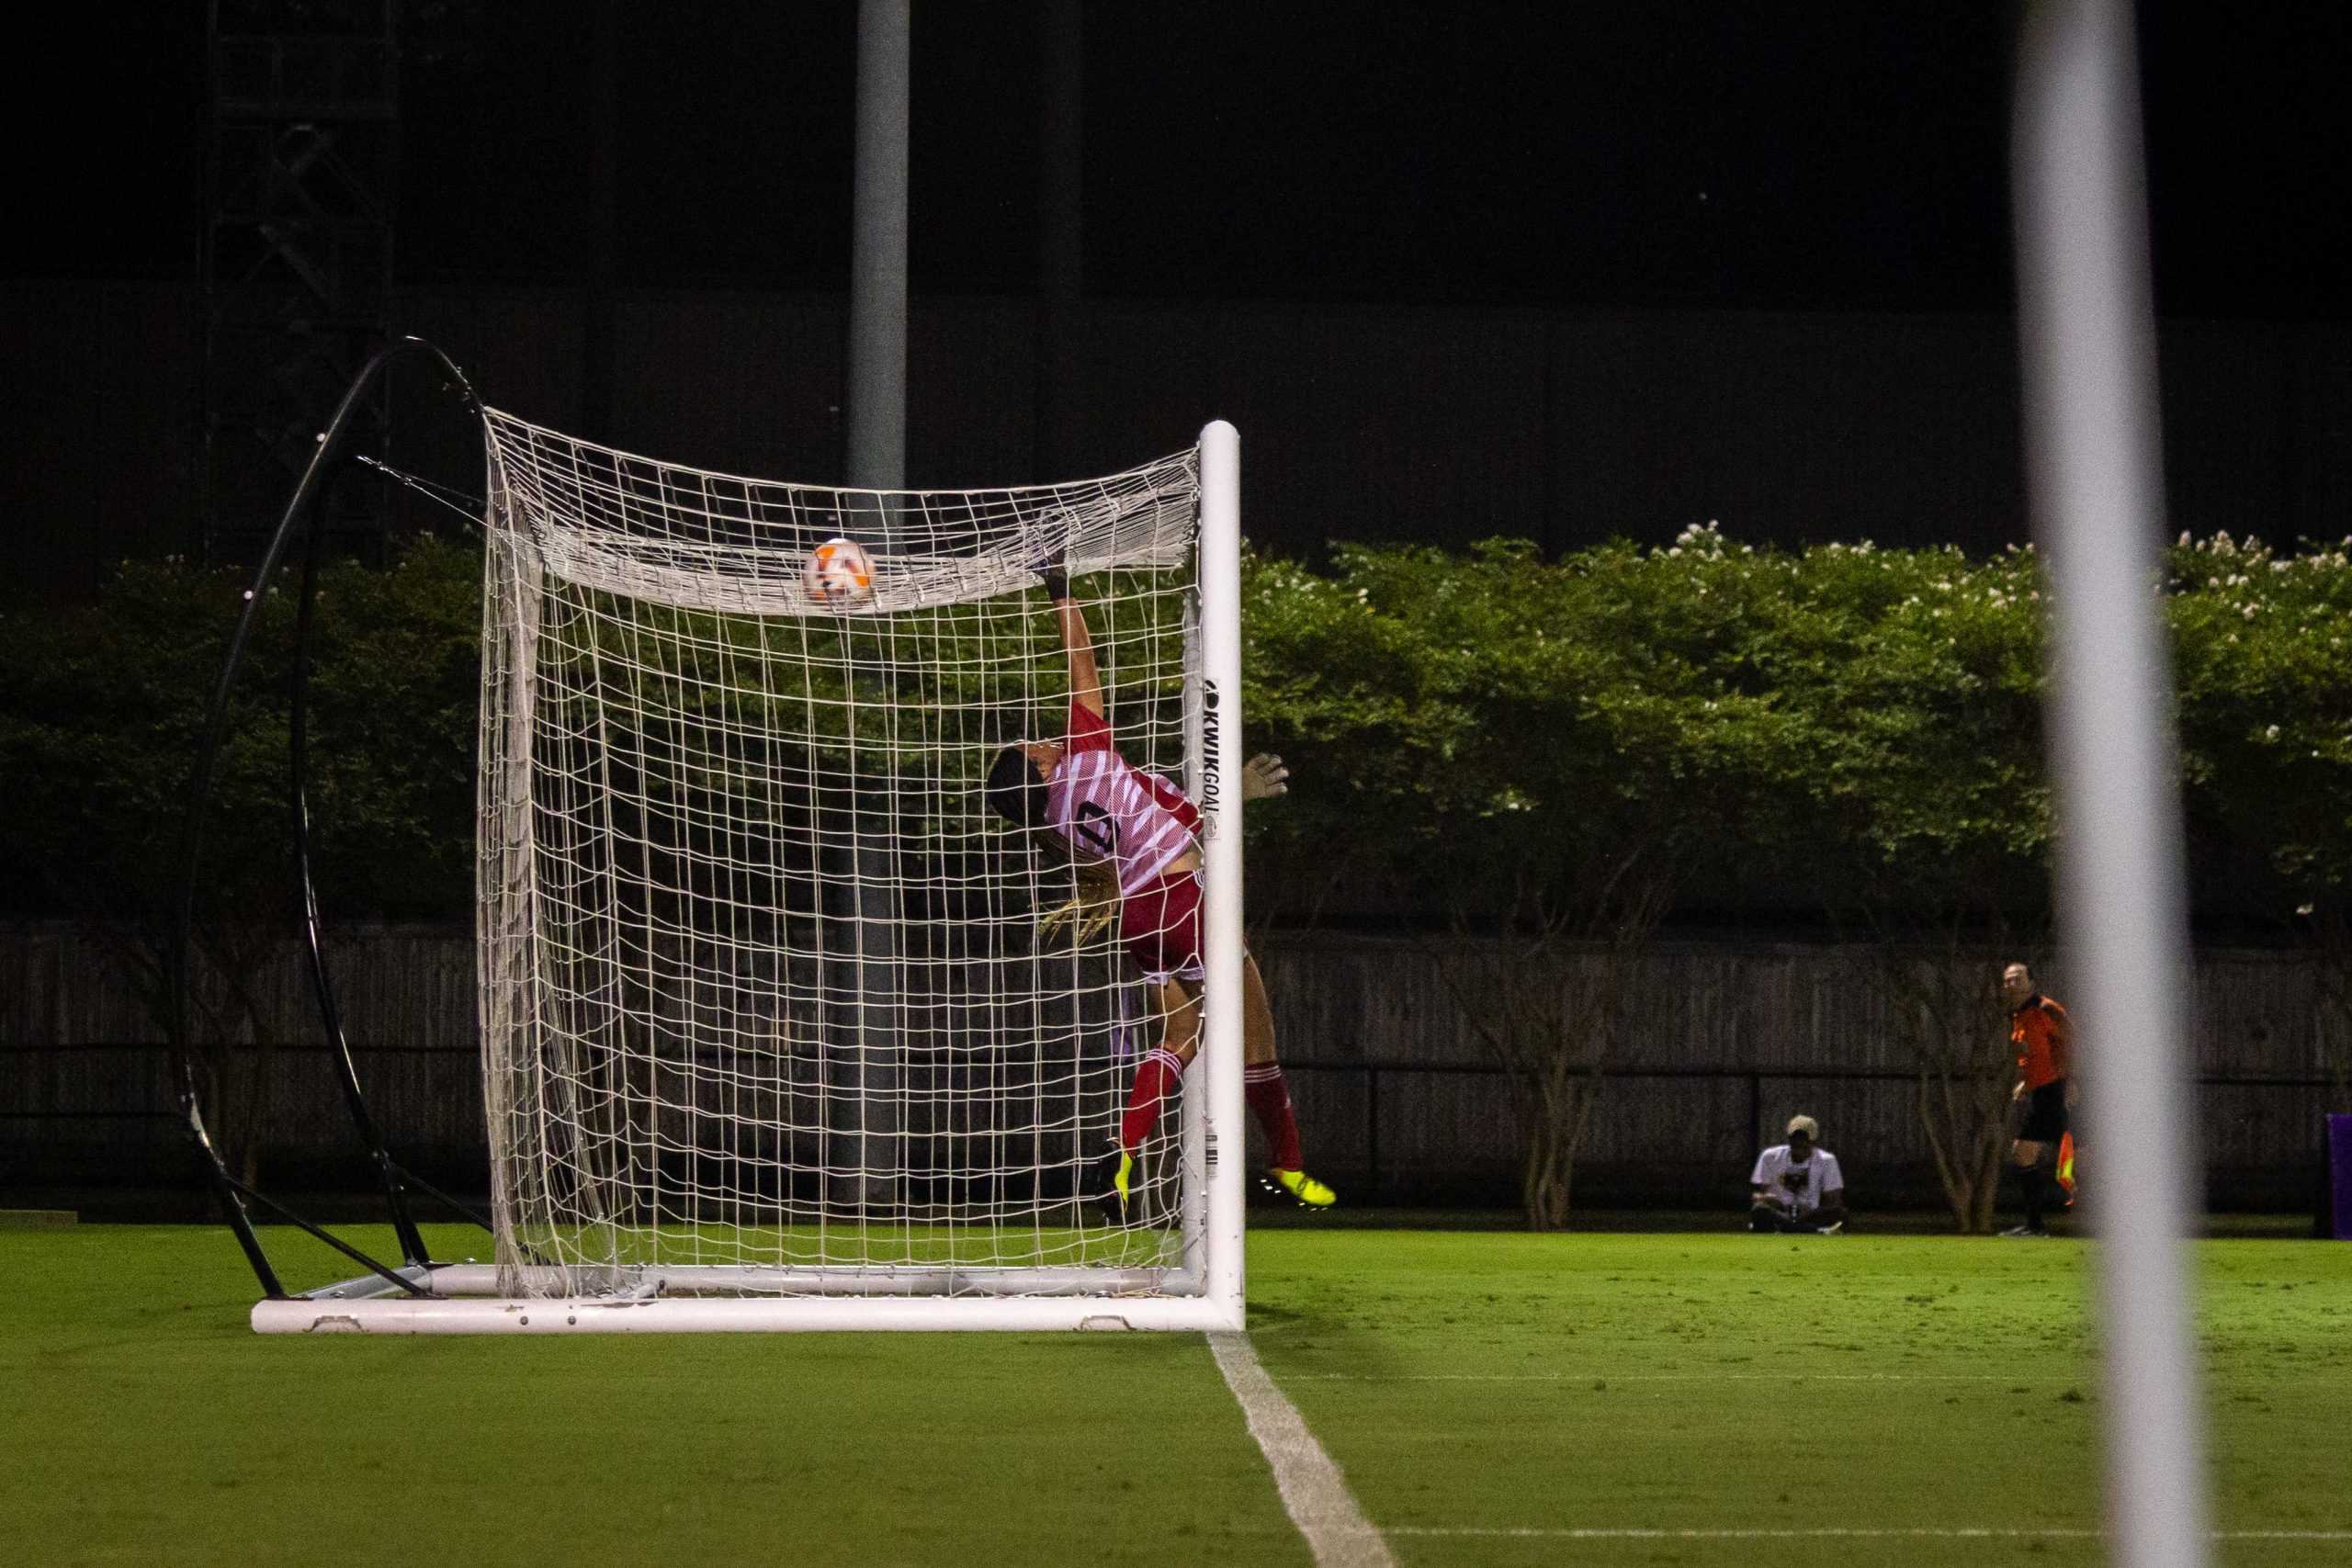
[[839, 573]]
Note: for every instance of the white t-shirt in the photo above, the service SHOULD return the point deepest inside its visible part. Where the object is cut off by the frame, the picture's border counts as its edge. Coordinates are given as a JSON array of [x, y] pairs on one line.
[[1802, 1185]]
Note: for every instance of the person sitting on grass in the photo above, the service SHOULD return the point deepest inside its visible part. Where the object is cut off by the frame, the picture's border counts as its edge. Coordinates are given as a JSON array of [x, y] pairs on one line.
[[1796, 1188], [1132, 837]]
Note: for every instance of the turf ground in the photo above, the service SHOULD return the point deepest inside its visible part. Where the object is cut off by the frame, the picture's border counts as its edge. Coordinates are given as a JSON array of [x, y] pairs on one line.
[[1493, 1398]]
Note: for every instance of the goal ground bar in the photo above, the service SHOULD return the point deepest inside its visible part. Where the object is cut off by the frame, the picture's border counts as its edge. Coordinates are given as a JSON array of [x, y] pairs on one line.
[[491, 1315], [905, 1301]]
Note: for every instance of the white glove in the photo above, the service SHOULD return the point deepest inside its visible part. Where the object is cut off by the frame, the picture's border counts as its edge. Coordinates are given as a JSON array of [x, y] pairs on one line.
[[1264, 776]]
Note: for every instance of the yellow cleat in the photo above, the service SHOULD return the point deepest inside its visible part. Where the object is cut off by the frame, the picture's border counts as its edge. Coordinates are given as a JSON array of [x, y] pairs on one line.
[[1107, 1182], [1310, 1193]]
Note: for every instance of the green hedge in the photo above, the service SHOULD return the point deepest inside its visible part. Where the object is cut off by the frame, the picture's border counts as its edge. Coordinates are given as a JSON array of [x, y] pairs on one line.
[[1802, 731], [101, 707], [1791, 731]]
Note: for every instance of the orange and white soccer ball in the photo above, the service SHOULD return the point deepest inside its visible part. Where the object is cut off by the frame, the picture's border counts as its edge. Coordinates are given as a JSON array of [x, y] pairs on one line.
[[839, 575]]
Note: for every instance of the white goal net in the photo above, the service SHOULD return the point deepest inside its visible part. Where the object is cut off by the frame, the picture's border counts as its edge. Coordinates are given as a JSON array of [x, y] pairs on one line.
[[773, 1006]]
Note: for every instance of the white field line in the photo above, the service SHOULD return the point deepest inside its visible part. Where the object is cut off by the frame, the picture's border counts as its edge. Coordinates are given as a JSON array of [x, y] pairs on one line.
[[1924, 1532], [1656, 1377], [2079, 1375], [1313, 1490]]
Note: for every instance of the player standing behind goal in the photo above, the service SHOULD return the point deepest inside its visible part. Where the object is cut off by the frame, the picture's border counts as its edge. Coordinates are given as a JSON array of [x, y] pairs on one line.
[[2039, 1028], [1133, 831]]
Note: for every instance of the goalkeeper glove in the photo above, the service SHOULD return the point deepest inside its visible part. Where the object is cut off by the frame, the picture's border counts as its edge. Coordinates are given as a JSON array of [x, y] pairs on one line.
[[1265, 776], [1046, 560]]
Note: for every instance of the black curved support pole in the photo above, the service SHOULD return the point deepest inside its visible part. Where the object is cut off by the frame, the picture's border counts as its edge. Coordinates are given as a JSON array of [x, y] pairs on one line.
[[227, 1190]]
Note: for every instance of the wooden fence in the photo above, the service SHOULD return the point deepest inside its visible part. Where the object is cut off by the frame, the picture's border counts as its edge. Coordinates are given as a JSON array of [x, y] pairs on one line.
[[1397, 1097]]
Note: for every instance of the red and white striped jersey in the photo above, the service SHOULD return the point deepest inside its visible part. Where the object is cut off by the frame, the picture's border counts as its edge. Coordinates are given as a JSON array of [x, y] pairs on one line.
[[1107, 808]]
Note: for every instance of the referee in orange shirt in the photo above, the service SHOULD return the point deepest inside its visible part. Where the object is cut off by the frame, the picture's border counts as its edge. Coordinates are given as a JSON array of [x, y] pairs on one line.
[[2038, 1029]]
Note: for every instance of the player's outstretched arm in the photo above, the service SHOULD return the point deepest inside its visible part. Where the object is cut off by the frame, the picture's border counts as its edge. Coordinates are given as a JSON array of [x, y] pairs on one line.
[[1085, 680]]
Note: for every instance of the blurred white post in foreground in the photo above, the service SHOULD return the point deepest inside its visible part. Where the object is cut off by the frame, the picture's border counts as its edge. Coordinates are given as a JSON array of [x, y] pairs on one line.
[[2087, 322]]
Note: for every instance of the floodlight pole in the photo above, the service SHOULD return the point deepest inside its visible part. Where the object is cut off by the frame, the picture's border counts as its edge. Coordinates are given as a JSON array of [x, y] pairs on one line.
[[1061, 248], [861, 913], [2087, 324], [877, 258]]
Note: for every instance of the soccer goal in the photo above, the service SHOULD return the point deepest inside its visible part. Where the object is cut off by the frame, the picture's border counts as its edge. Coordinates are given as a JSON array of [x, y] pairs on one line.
[[781, 1027]]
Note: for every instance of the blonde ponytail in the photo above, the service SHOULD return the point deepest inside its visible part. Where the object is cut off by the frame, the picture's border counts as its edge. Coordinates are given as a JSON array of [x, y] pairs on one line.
[[1092, 905]]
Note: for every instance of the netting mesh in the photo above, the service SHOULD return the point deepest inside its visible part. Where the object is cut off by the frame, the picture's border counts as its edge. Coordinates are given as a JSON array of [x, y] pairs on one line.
[[765, 1004]]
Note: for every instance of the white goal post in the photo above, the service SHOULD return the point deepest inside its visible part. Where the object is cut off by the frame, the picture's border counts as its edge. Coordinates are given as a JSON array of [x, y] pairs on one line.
[[779, 1028]]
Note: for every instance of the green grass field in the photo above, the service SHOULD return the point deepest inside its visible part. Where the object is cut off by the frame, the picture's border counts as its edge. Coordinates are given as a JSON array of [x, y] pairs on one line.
[[1486, 1393]]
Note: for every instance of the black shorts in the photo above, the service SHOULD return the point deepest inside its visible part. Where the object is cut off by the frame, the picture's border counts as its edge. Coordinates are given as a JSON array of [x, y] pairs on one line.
[[2045, 1115]]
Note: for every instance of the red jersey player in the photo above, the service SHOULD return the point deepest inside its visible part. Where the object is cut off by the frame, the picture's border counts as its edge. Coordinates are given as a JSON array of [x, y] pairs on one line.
[[1140, 828], [2044, 1036]]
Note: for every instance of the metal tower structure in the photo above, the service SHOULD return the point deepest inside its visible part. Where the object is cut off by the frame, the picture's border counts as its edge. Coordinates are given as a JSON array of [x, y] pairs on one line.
[[300, 165]]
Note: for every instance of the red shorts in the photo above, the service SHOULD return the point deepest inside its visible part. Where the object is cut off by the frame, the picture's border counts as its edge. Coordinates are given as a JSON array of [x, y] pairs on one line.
[[1161, 925]]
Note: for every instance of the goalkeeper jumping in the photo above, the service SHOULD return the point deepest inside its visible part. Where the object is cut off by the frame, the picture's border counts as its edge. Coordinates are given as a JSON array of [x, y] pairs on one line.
[[1132, 835]]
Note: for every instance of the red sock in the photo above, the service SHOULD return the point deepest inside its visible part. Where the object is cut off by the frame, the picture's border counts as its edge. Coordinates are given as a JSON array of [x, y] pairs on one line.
[[1160, 1071], [1269, 1097]]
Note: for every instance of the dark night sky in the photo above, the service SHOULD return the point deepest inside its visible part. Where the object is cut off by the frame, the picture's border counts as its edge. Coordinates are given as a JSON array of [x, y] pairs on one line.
[[1795, 154]]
